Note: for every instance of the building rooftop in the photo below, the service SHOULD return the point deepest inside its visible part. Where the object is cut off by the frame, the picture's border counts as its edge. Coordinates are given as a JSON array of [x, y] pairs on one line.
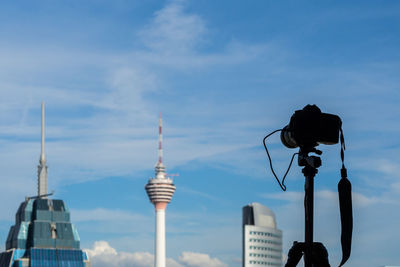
[[258, 215]]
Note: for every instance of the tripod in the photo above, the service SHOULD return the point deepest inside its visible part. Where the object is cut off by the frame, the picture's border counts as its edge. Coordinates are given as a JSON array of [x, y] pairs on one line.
[[315, 254]]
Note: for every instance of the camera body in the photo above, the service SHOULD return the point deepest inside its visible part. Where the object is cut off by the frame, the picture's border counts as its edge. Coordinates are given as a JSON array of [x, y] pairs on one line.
[[310, 127]]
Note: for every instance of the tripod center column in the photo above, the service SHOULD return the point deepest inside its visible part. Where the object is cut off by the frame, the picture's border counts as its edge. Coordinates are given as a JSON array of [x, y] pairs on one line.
[[309, 173]]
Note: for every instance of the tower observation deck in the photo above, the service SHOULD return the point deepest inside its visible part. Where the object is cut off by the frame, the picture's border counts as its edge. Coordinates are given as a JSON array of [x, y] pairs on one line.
[[160, 191]]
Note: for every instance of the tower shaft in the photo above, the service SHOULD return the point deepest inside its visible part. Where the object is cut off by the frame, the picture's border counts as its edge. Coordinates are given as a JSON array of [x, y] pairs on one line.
[[160, 238]]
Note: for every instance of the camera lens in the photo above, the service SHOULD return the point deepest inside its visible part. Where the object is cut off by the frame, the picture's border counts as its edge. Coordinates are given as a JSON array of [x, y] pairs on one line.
[[287, 138]]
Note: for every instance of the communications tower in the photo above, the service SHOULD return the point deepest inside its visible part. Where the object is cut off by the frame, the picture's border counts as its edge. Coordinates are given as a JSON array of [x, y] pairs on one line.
[[160, 191]]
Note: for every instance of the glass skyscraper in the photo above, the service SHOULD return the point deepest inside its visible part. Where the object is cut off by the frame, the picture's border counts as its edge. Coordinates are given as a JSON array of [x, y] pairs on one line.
[[43, 236], [262, 241]]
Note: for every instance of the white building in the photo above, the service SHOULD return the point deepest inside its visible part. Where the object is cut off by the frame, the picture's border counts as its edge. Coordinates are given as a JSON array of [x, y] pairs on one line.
[[262, 241]]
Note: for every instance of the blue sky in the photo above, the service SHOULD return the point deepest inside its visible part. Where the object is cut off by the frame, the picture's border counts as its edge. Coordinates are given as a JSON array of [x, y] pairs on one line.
[[224, 74]]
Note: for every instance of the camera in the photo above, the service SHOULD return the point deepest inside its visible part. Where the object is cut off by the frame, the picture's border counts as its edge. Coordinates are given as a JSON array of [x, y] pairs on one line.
[[310, 127]]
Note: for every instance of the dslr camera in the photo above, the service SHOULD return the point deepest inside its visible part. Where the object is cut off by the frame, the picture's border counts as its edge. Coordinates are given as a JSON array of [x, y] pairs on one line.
[[310, 127]]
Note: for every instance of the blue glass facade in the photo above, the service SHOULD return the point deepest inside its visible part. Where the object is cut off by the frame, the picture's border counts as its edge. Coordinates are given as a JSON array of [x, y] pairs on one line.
[[43, 236], [56, 257]]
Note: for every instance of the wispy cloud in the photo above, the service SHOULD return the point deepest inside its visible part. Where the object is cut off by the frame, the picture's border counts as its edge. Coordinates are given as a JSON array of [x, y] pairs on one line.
[[173, 31], [188, 190], [110, 126]]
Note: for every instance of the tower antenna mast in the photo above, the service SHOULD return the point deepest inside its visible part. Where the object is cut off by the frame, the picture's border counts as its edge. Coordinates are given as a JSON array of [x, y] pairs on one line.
[[160, 149]]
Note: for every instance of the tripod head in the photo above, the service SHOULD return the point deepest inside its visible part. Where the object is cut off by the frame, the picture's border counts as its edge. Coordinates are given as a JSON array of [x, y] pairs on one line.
[[305, 160]]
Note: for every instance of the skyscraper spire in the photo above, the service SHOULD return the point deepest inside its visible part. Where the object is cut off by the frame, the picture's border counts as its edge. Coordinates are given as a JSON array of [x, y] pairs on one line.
[[42, 167], [42, 152]]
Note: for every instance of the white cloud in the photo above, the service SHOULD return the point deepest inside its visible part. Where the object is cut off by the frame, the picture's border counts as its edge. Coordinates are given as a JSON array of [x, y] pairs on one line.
[[103, 255], [200, 260], [101, 248]]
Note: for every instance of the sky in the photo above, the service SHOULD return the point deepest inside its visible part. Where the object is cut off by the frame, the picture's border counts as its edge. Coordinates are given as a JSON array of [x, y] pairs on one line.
[[224, 74]]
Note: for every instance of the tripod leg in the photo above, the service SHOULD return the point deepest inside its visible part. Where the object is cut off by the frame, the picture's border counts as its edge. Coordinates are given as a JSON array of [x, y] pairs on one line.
[[295, 254]]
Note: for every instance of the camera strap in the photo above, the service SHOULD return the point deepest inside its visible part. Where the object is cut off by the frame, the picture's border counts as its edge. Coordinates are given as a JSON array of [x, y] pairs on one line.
[[345, 203]]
